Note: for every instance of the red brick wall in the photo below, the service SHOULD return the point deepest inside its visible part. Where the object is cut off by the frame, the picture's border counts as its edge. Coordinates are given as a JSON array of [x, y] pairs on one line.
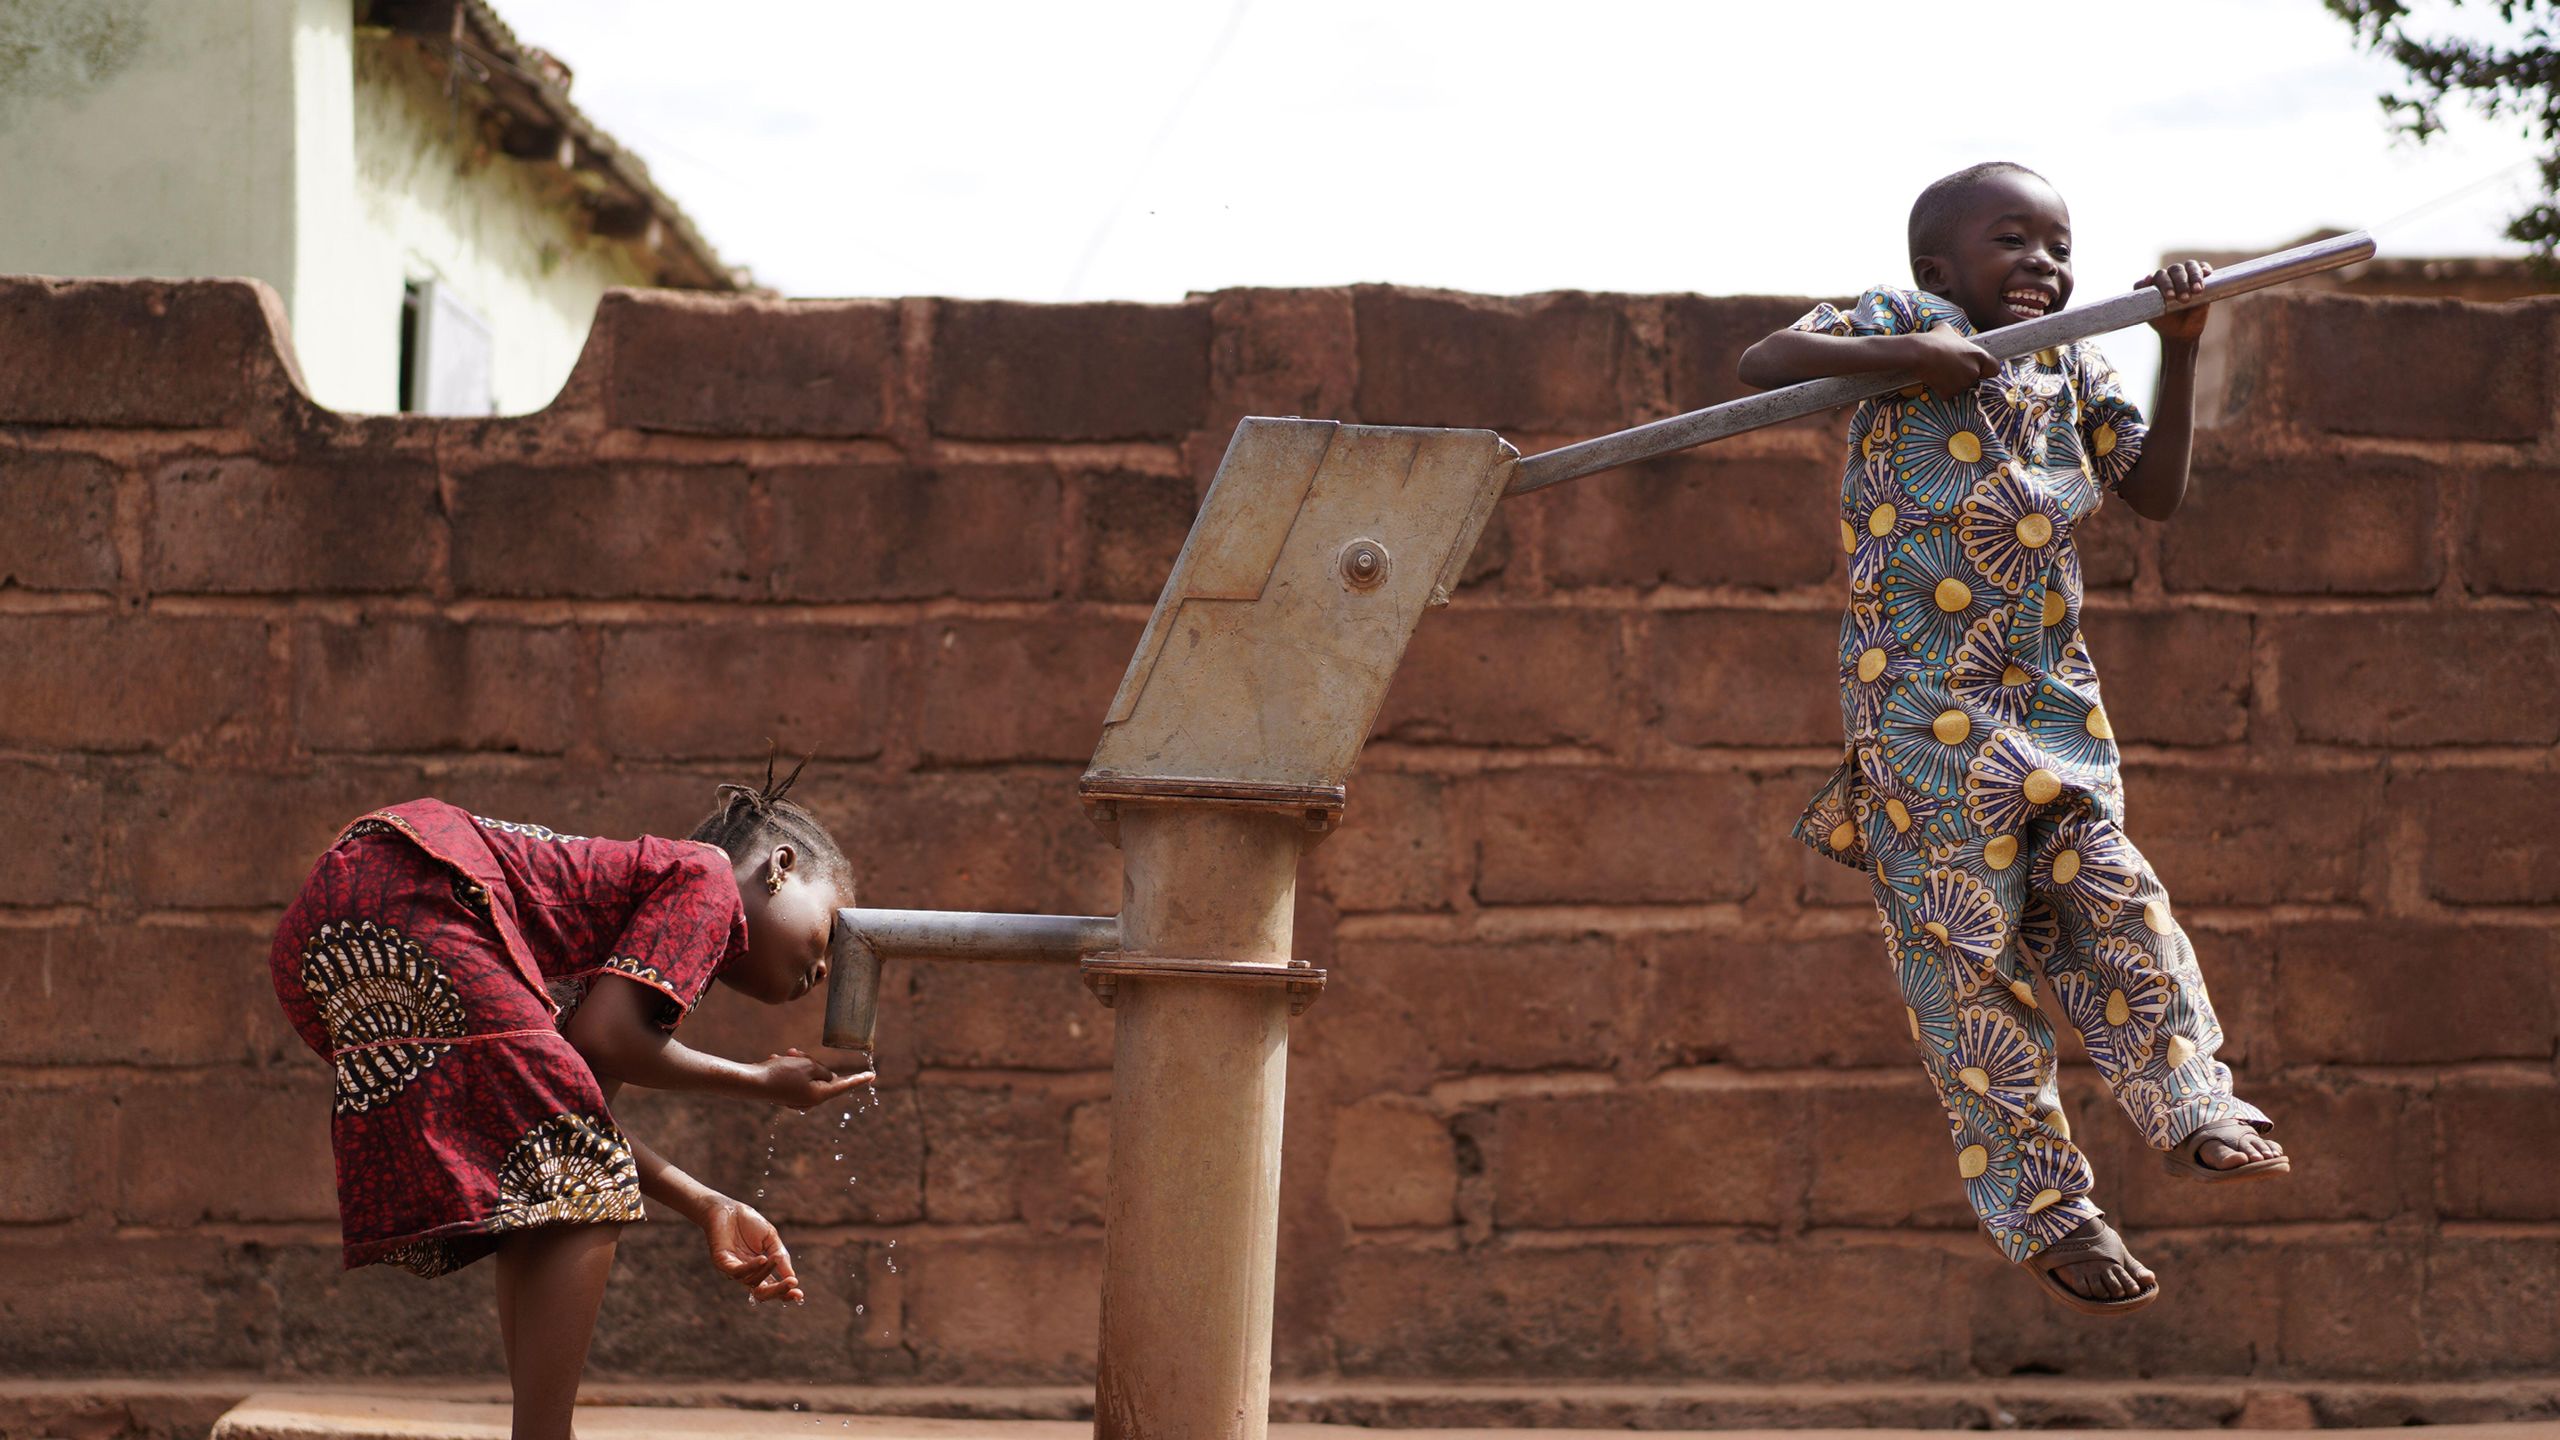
[[1610, 1082]]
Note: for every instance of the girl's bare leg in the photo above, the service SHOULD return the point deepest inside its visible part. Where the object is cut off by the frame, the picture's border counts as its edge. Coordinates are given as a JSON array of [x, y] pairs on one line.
[[555, 1276], [507, 1315]]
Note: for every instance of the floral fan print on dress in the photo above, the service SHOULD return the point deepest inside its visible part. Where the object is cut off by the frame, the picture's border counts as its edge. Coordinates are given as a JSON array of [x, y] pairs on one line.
[[387, 1007]]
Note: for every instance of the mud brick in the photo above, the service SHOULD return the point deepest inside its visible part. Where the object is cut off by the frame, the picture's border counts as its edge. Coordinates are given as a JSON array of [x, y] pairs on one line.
[[737, 366], [1012, 841], [1705, 337], [900, 532], [129, 682], [1881, 1156], [2488, 1305], [1393, 849], [52, 817], [1401, 1013], [979, 1140], [379, 1320], [1711, 1157], [2321, 526], [1495, 1312], [275, 1143], [786, 1164], [2403, 992], [1506, 677], [1014, 690], [2348, 1307], [139, 353], [1077, 1194], [233, 838], [1112, 371], [76, 1308], [388, 683], [2225, 835], [2365, 1153], [1610, 837], [1746, 677], [713, 690], [1280, 352], [641, 530], [2173, 677], [997, 1311], [2487, 677], [234, 525], [2514, 540], [2238, 963], [1697, 519], [1807, 1308], [669, 1313], [1013, 1017], [1394, 1163], [2500, 1143], [2419, 369], [57, 518], [61, 1147], [127, 994], [1773, 1001], [1552, 362], [2227, 1303], [2484, 845], [2108, 549], [1134, 526]]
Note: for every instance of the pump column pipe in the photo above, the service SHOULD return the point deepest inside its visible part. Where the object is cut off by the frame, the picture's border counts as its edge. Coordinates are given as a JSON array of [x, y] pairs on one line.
[[1773, 407]]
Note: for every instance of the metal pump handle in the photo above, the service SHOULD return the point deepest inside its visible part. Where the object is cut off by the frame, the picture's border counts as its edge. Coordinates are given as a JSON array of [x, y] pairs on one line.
[[1772, 407]]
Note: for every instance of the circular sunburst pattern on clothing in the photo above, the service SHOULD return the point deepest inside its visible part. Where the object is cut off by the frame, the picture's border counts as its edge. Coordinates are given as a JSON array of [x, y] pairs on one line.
[[2011, 531], [2040, 932], [1986, 1151], [571, 1169], [2070, 725], [2086, 861], [387, 1005], [1879, 514], [1928, 1001], [1932, 594], [1959, 918], [2045, 616], [1994, 1059], [1942, 451], [1995, 860], [2021, 401], [1984, 677], [2008, 781], [1926, 737], [1872, 662], [2049, 1172], [2115, 1002]]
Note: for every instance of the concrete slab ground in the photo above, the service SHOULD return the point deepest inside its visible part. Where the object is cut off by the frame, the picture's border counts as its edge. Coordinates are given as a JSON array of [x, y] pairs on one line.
[[304, 1416]]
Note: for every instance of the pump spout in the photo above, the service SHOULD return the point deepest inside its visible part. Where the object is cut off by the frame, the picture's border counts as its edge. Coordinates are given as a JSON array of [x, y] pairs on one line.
[[864, 938]]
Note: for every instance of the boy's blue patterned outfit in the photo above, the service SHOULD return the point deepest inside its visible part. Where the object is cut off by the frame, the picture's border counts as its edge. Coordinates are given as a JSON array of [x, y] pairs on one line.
[[1979, 788]]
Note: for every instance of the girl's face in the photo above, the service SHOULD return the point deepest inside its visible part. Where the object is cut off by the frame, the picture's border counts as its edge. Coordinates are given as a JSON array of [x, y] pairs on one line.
[[787, 929]]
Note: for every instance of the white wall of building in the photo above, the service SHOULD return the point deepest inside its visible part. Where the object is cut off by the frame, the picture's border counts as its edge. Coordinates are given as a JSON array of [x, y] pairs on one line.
[[271, 138]]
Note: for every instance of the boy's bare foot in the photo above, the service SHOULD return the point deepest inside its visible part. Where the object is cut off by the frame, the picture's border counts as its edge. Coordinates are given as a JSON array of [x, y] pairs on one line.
[[2100, 1279], [2252, 1147], [2226, 1150]]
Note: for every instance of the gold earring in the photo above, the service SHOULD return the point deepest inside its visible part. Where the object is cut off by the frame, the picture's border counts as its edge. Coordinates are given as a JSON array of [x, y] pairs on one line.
[[773, 882]]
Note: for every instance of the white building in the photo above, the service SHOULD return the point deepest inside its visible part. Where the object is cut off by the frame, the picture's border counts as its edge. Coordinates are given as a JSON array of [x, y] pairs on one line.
[[437, 216]]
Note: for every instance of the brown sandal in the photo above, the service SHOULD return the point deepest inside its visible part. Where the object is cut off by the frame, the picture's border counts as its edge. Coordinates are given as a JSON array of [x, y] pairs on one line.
[[2072, 1250], [2181, 1159]]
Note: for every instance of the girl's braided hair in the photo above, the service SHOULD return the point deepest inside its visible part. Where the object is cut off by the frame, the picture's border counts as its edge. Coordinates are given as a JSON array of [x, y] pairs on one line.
[[753, 819]]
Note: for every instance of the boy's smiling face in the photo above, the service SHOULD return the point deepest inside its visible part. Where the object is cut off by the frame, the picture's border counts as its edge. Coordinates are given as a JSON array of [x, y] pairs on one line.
[[2008, 254]]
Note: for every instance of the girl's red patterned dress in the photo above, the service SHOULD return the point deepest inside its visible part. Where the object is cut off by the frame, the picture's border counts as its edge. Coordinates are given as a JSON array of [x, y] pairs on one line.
[[433, 957]]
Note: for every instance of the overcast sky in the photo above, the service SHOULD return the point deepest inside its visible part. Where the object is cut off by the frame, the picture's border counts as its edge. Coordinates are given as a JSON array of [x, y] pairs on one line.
[[1101, 150]]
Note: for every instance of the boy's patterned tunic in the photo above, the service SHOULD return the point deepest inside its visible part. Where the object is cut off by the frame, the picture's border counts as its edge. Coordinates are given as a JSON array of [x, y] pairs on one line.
[[1979, 789]]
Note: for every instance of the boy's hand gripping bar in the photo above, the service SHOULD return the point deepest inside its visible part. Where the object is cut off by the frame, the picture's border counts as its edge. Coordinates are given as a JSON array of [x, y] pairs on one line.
[[1772, 407]]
